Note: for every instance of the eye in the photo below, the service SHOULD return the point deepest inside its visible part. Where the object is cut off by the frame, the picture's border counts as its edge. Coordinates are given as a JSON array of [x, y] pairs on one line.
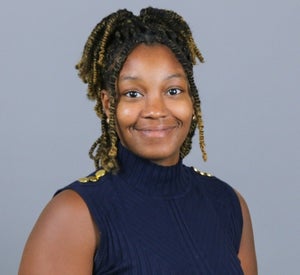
[[133, 94], [174, 91]]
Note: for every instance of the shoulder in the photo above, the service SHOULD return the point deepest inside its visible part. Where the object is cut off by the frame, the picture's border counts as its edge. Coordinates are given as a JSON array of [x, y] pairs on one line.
[[225, 202], [218, 186], [97, 192], [67, 205], [88, 187], [66, 210], [94, 177], [247, 254], [69, 211], [243, 204], [214, 186], [234, 212], [219, 191], [64, 227]]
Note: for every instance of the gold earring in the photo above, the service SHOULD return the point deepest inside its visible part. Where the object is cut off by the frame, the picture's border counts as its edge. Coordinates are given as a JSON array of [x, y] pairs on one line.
[[107, 120], [194, 117]]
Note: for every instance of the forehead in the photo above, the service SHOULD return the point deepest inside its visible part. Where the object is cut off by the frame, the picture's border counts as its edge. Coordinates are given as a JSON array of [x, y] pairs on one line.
[[157, 57]]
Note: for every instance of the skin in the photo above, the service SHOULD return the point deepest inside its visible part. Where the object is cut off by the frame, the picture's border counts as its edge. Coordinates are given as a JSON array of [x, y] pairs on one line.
[[247, 253], [63, 239], [154, 111]]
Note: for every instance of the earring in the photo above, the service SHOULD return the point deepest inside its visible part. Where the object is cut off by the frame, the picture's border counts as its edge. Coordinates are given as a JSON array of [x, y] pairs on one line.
[[107, 120], [194, 117]]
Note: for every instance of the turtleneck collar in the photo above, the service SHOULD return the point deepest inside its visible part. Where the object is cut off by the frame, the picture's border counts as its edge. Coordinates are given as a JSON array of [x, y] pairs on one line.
[[152, 179]]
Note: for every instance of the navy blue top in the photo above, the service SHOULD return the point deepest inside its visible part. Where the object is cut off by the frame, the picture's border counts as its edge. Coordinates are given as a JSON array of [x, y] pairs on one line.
[[163, 220]]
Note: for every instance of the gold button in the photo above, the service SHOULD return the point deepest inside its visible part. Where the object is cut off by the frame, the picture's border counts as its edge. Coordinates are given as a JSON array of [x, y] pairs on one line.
[[100, 173], [92, 178], [196, 170], [202, 173], [83, 180]]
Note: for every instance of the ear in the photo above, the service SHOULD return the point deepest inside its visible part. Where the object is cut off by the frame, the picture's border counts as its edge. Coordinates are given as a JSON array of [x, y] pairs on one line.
[[105, 102]]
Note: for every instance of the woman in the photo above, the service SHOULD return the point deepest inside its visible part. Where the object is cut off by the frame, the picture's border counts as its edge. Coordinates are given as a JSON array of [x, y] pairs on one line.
[[143, 211]]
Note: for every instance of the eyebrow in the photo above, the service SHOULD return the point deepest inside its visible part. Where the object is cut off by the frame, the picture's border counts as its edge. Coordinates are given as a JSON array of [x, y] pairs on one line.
[[129, 77], [177, 75]]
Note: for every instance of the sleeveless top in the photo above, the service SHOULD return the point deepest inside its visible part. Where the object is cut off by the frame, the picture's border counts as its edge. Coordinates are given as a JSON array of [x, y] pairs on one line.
[[162, 220]]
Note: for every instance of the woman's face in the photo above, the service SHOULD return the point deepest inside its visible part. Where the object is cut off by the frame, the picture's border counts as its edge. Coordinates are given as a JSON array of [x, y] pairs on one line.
[[154, 109]]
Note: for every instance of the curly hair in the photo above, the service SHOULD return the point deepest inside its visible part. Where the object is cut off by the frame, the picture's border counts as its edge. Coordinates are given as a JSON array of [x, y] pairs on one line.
[[104, 54]]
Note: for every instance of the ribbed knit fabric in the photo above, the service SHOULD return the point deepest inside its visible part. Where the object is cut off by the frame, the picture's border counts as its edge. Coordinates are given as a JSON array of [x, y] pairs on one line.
[[163, 220]]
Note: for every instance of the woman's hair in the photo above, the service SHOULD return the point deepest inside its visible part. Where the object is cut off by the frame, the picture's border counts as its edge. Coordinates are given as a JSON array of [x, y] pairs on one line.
[[104, 54]]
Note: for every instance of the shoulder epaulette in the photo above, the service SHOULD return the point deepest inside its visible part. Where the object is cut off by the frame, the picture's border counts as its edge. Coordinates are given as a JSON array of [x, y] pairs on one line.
[[100, 173], [202, 173]]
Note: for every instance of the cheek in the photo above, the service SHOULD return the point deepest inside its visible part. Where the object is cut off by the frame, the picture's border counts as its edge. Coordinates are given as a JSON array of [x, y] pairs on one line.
[[184, 111], [124, 115]]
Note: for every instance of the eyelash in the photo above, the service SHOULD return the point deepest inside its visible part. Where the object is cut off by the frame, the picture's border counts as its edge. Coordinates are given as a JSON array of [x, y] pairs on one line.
[[178, 91], [130, 94], [135, 94]]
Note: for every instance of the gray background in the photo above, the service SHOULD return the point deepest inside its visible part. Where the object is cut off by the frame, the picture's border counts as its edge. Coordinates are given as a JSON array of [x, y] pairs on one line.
[[249, 88]]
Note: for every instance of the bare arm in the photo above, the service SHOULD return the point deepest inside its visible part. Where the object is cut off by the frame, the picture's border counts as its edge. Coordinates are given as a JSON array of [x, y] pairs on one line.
[[247, 254], [63, 240]]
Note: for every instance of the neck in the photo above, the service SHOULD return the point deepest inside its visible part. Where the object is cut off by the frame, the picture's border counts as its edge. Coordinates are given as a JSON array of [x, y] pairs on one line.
[[151, 178]]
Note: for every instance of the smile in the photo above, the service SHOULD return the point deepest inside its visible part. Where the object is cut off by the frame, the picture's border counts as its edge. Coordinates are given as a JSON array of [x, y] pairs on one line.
[[156, 132]]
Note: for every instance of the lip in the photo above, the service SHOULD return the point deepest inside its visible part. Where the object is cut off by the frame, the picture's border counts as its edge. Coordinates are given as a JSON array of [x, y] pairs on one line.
[[155, 132]]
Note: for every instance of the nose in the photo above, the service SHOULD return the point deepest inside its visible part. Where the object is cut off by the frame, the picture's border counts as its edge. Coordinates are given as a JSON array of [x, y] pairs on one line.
[[155, 107]]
